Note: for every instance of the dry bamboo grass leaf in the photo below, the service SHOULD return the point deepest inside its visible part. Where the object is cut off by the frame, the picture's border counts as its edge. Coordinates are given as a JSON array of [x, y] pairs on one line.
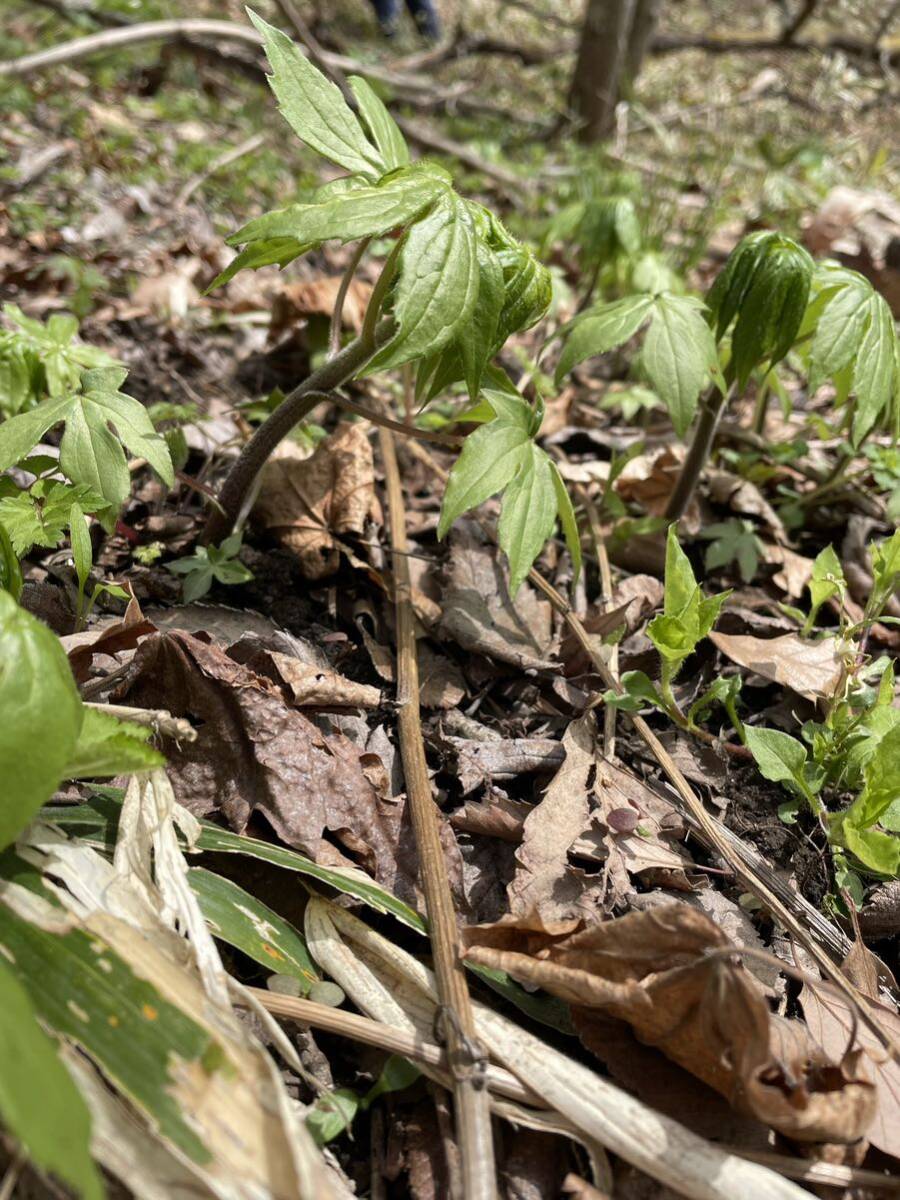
[[654, 970], [811, 669], [306, 502], [395, 988]]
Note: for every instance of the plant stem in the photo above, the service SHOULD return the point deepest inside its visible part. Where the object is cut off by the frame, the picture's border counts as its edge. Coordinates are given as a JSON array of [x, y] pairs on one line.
[[711, 409], [334, 332], [451, 440], [295, 406], [467, 1059]]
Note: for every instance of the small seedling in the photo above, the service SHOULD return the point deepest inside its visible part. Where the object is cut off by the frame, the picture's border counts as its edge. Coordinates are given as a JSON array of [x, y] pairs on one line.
[[210, 564]]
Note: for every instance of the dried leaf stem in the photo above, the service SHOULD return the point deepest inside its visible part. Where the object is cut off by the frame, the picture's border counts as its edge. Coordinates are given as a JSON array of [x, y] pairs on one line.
[[158, 719], [467, 1059]]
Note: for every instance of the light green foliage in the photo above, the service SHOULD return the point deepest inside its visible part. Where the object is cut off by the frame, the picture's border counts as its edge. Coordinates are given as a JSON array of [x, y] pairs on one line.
[[209, 563], [855, 344], [333, 1114], [45, 733], [878, 851], [632, 401], [765, 287], [827, 580], [687, 615], [679, 353], [39, 516], [381, 125], [501, 456], [90, 452], [734, 540], [54, 349], [784, 759], [40, 715], [39, 1103], [107, 747]]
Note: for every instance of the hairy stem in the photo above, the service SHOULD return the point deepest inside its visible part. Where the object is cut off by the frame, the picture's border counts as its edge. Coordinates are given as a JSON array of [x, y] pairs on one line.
[[334, 332], [295, 406], [710, 411]]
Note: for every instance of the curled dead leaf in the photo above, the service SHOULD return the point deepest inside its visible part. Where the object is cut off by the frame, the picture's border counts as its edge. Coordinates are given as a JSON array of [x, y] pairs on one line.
[[811, 669], [296, 302], [307, 502], [663, 972]]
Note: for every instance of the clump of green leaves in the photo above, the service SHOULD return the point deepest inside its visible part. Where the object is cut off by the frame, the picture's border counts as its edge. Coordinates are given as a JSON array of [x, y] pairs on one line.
[[209, 564], [855, 749], [40, 360], [455, 286], [686, 619]]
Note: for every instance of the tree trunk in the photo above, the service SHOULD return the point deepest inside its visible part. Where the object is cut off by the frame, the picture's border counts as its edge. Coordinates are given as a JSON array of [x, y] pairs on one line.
[[614, 38]]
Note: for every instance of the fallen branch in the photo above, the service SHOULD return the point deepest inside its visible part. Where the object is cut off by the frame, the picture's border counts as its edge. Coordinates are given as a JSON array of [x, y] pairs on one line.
[[467, 1059]]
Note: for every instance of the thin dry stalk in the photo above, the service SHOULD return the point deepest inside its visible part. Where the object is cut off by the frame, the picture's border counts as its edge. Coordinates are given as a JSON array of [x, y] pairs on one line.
[[158, 719], [606, 585], [468, 1060]]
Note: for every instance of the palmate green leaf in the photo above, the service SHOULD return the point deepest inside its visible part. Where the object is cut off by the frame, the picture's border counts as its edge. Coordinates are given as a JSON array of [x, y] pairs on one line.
[[488, 461], [438, 284], [382, 127], [314, 107], [89, 452], [236, 917], [39, 1104], [39, 516], [107, 747], [478, 340], [366, 210], [843, 320], [876, 376], [602, 329], [680, 583], [528, 514], [528, 288], [40, 715], [567, 521], [678, 355], [62, 355]]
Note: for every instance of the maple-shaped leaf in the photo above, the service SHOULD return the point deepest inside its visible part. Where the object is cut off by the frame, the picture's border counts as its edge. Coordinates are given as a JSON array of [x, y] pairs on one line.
[[40, 515], [99, 421]]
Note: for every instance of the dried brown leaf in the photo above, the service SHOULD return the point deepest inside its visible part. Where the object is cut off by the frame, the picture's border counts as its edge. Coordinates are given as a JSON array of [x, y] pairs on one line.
[[306, 685], [811, 669], [296, 302], [257, 755], [654, 969], [479, 614], [118, 635], [304, 502]]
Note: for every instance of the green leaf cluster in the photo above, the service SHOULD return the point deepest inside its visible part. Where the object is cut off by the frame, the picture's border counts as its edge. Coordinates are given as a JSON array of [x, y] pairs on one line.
[[333, 1114], [855, 345], [687, 615], [39, 360], [39, 515], [764, 290], [208, 564], [678, 355], [462, 284], [38, 696], [501, 456]]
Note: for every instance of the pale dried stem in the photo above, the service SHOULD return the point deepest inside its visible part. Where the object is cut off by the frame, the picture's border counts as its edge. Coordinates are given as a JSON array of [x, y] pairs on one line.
[[467, 1058], [158, 719]]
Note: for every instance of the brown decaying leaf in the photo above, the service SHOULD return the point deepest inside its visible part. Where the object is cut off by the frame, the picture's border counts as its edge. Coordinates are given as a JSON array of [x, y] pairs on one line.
[[479, 614], [794, 570], [544, 880], [257, 755], [305, 501], [305, 684], [296, 302], [831, 1023], [114, 637], [648, 480], [654, 970], [811, 669], [480, 762]]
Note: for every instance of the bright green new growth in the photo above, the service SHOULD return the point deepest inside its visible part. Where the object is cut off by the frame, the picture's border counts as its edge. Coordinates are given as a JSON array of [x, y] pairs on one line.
[[456, 286], [687, 615], [209, 563]]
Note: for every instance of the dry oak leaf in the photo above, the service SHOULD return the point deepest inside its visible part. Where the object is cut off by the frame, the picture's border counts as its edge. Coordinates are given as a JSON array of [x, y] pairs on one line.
[[257, 755], [811, 669], [306, 502], [707, 1013], [296, 302], [480, 615], [304, 684], [648, 480]]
